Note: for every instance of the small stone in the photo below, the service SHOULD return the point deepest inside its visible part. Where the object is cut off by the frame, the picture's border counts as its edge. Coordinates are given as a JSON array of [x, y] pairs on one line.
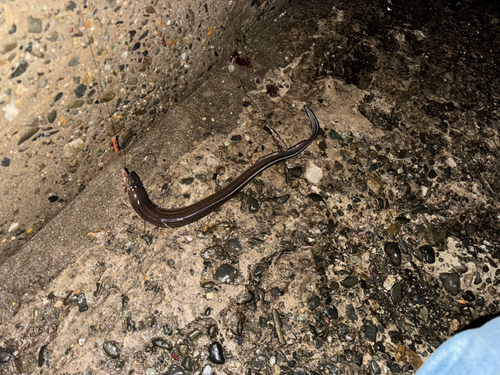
[[12, 29], [9, 47], [5, 162], [207, 370], [394, 229], [371, 333], [20, 68], [216, 354], [225, 274], [374, 183], [150, 9], [80, 90], [349, 282], [75, 60], [334, 135], [313, 174], [187, 363], [27, 134], [111, 349], [43, 354], [397, 293], [351, 313], [175, 370], [393, 252], [34, 25], [451, 282], [82, 303], [25, 363], [259, 363], [234, 246], [253, 204], [52, 37], [162, 343], [107, 96], [313, 303], [70, 150], [76, 104], [332, 313], [6, 354], [428, 253]]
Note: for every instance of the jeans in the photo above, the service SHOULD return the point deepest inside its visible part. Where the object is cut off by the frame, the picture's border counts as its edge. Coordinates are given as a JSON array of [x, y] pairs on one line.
[[471, 352]]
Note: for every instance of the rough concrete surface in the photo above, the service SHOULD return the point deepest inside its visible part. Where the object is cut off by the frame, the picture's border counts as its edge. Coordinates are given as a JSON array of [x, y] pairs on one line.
[[360, 255]]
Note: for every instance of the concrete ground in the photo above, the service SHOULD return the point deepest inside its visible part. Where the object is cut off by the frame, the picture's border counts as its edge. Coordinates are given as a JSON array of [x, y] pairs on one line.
[[361, 255]]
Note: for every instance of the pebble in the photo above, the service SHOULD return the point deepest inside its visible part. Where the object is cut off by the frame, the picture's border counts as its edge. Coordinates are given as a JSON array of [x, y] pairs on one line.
[[259, 363], [75, 60], [6, 354], [187, 363], [28, 134], [350, 282], [43, 354], [70, 150], [313, 303], [80, 90], [351, 313], [374, 183], [5, 162], [111, 349], [216, 354], [107, 96], [175, 370], [25, 363], [8, 47], [397, 293], [11, 111], [332, 313], [12, 29], [253, 204], [313, 173], [225, 274], [428, 253], [393, 252], [207, 370], [76, 104], [371, 333], [52, 37], [34, 25], [82, 303], [451, 282], [234, 246]]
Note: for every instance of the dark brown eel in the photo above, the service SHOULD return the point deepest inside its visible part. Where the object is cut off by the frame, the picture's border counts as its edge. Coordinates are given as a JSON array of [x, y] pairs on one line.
[[178, 217]]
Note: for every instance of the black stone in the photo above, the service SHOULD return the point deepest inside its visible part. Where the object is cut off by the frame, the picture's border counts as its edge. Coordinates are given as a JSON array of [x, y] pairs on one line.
[[225, 274], [397, 293], [349, 282], [393, 253], [5, 162], [80, 90], [20, 69], [332, 313], [428, 253], [313, 302], [215, 353], [82, 303]]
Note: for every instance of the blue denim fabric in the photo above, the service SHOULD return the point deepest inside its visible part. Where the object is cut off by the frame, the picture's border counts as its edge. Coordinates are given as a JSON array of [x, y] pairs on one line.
[[475, 351]]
